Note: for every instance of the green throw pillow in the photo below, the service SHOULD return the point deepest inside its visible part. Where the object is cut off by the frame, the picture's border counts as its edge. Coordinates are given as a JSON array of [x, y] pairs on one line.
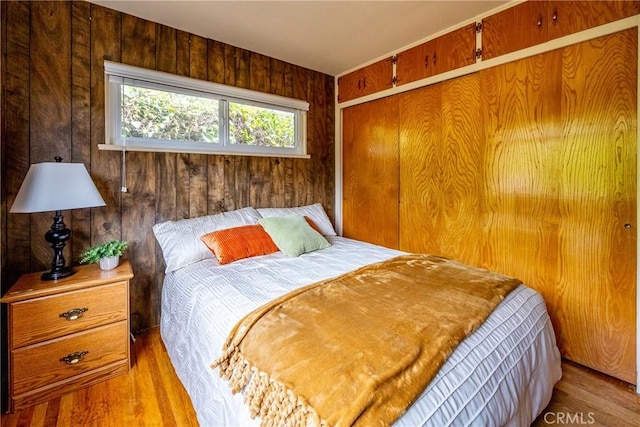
[[293, 235]]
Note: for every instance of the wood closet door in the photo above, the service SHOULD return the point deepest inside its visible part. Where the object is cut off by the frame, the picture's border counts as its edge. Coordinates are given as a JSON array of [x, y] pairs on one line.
[[370, 172], [441, 169], [559, 187], [597, 187]]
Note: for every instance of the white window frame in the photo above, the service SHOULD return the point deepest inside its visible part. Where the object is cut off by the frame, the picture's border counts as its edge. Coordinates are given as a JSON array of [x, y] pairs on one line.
[[116, 74]]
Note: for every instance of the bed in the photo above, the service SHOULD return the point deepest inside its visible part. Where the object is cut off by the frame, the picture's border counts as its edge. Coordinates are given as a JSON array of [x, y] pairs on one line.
[[501, 375]]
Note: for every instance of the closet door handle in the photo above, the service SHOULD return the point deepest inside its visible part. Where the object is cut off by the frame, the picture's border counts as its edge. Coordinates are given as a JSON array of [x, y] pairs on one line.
[[539, 23], [426, 61], [554, 16], [434, 58]]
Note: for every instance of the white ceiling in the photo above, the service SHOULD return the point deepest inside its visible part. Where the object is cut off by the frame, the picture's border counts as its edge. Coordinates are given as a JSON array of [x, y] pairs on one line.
[[327, 36]]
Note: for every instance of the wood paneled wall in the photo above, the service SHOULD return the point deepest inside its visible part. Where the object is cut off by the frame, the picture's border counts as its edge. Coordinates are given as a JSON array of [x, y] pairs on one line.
[[53, 104]]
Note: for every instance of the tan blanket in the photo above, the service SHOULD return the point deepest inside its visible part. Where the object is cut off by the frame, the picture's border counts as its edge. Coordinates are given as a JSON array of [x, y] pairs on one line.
[[359, 348]]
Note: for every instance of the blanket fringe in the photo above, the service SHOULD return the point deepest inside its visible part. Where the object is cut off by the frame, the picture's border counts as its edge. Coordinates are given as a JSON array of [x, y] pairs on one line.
[[273, 402]]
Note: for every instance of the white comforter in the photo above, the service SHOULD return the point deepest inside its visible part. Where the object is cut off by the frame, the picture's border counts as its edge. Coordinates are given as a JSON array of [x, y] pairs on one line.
[[503, 374]]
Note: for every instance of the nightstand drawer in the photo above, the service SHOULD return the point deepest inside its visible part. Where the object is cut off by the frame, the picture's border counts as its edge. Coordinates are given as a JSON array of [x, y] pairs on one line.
[[49, 317], [40, 364]]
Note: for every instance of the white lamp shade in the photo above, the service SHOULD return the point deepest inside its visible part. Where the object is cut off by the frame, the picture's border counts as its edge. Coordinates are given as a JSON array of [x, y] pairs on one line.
[[56, 187]]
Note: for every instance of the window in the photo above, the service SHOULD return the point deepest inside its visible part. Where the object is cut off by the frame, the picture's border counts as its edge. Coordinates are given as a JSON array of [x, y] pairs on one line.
[[149, 110]]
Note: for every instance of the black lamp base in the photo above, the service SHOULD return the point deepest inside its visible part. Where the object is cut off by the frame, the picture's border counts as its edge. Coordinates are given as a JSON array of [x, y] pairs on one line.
[[59, 274], [57, 237]]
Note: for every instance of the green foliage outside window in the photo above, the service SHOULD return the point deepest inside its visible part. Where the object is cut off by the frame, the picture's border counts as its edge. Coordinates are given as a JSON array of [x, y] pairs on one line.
[[154, 114], [260, 126]]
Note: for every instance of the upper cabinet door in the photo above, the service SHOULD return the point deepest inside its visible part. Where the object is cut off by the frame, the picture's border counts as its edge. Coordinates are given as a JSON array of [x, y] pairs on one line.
[[455, 49], [567, 17], [365, 81], [416, 63], [516, 28], [445, 53]]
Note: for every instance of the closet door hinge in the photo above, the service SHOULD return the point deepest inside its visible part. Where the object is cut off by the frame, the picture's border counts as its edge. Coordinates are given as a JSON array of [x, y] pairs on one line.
[[394, 81], [478, 27], [394, 59], [478, 53]]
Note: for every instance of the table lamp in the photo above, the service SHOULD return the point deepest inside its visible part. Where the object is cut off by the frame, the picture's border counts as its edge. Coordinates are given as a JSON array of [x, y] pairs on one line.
[[56, 187]]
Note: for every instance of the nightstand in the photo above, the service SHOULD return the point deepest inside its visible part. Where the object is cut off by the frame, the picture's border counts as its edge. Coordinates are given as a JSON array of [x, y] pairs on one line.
[[67, 334]]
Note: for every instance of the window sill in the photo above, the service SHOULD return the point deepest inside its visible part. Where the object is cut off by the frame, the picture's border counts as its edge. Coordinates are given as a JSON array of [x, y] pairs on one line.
[[112, 147]]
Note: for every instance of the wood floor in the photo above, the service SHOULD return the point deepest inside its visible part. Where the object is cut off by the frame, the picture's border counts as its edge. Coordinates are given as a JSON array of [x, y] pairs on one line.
[[151, 395]]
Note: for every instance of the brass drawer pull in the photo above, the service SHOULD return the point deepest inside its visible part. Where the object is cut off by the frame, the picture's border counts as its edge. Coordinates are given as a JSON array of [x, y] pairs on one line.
[[75, 357], [74, 313]]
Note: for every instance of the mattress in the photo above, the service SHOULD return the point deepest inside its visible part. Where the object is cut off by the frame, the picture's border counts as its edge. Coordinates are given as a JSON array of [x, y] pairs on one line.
[[501, 375]]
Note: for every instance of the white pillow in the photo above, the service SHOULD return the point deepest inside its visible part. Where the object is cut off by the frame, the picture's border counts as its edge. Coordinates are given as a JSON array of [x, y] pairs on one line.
[[315, 212], [180, 240]]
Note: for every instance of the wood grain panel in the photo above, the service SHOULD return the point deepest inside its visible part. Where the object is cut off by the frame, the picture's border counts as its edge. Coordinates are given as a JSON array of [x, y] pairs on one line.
[[515, 28], [215, 58], [568, 17], [182, 53], [329, 144], [461, 168], [370, 172], [166, 49], [139, 202], [138, 42], [261, 182], [166, 163], [139, 213], [521, 167], [198, 48], [420, 170], [240, 176], [302, 168], [597, 188], [50, 96], [259, 72], [182, 159], [215, 164], [441, 169], [16, 137], [198, 162], [3, 194], [282, 84], [80, 114], [230, 58], [105, 165], [318, 133]]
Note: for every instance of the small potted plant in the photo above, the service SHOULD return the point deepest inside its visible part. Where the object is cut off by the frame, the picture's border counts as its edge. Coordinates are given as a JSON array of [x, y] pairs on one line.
[[107, 254]]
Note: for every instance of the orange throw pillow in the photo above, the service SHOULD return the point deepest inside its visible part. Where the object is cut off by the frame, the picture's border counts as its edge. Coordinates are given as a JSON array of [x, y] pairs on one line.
[[312, 224], [232, 244]]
